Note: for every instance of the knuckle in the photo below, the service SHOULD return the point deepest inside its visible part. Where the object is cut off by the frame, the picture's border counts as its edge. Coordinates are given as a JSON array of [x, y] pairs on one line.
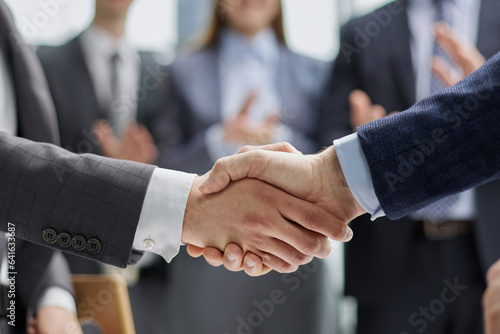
[[299, 259], [244, 149], [312, 220], [220, 163], [277, 264], [312, 247], [284, 267]]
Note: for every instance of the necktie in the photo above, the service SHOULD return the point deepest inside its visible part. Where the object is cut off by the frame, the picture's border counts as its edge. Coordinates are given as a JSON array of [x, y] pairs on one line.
[[438, 211]]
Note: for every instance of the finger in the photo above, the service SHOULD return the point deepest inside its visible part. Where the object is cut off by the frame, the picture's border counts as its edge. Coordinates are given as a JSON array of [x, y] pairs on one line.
[[359, 100], [493, 273], [492, 307], [315, 223], [213, 256], [284, 251], [276, 147], [448, 41], [360, 105], [194, 251], [378, 111], [443, 72], [101, 128], [248, 104], [233, 257], [233, 168], [277, 264], [259, 164], [462, 52], [253, 265], [143, 133], [146, 144]]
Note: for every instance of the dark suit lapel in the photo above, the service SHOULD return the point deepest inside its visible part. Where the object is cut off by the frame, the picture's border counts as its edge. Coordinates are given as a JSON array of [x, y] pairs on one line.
[[82, 80], [401, 62], [489, 28], [35, 109], [142, 104]]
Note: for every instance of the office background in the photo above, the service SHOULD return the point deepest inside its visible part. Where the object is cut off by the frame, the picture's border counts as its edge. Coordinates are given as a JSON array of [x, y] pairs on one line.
[[312, 26]]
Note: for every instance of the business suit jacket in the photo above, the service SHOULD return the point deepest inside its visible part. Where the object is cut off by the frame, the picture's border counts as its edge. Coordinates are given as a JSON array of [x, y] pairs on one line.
[[383, 69], [221, 297], [37, 267], [45, 187], [74, 95]]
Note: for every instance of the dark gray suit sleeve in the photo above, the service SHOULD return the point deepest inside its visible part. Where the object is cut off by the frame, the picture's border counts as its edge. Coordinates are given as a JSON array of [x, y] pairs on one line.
[[82, 204], [444, 144]]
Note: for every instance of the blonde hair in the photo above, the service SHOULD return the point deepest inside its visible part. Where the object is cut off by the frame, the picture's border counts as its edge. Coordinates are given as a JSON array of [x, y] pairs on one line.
[[218, 23]]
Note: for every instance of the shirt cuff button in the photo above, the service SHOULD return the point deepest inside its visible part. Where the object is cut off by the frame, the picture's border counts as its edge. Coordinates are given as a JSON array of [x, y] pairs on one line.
[[149, 244]]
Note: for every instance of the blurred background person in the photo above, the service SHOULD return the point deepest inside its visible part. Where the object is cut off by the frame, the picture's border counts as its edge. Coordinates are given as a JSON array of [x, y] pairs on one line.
[[107, 95], [411, 262], [243, 86]]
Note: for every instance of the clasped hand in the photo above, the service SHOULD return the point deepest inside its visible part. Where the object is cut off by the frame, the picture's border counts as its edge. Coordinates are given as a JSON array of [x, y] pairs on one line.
[[277, 210]]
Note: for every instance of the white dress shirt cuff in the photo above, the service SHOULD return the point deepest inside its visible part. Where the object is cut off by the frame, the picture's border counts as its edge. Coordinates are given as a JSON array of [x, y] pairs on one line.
[[58, 297], [216, 146], [357, 173], [160, 224]]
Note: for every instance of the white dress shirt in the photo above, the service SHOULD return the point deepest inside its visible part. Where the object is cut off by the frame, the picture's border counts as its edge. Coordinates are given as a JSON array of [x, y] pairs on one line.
[[247, 65], [162, 216], [98, 48], [357, 174], [463, 16]]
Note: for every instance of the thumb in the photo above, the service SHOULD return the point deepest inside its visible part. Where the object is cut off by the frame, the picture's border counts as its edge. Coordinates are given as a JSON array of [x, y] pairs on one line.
[[232, 168]]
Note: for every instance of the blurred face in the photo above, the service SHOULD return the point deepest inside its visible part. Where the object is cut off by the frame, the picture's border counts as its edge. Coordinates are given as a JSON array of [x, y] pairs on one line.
[[112, 8], [250, 16]]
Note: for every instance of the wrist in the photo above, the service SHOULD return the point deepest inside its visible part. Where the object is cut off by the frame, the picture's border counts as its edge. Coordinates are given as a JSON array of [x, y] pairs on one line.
[[191, 231], [336, 183]]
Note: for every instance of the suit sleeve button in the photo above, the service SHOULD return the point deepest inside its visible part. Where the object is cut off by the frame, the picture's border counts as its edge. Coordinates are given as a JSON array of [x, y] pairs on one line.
[[93, 246], [64, 240], [78, 242], [49, 236]]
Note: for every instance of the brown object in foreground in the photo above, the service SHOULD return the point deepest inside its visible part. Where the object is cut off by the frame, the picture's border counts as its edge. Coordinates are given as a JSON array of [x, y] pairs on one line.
[[104, 301]]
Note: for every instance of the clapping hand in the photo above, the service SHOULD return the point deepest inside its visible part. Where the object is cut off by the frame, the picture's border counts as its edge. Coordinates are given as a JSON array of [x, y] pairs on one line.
[[242, 130], [464, 54], [136, 143]]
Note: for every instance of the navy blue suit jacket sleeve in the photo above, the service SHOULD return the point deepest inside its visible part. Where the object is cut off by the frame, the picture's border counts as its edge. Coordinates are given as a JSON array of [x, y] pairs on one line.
[[444, 144]]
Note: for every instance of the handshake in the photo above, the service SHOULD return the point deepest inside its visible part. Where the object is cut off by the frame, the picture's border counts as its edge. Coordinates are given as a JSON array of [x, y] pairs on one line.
[[269, 208]]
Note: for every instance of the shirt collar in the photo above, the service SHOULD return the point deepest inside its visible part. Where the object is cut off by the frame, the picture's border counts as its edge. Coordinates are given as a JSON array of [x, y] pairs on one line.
[[264, 46], [102, 44]]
